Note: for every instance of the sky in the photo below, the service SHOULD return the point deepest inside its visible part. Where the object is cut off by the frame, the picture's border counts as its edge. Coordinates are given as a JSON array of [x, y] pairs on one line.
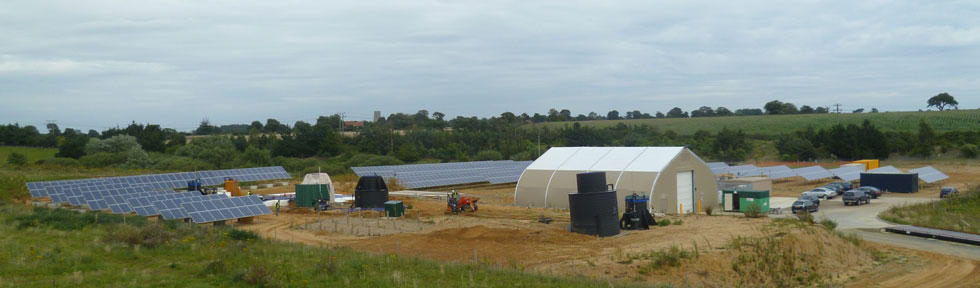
[[101, 64]]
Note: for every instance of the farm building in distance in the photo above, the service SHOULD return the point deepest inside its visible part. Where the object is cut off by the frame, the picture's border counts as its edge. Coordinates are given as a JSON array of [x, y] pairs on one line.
[[674, 178]]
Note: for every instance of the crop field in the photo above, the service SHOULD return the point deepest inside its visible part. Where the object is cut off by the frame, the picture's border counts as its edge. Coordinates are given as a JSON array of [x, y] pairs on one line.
[[33, 154], [955, 120]]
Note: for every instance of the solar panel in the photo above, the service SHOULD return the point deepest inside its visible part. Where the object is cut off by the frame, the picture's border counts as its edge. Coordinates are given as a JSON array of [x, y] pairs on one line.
[[929, 174], [224, 208], [886, 169], [714, 165], [444, 174], [782, 174], [121, 208]]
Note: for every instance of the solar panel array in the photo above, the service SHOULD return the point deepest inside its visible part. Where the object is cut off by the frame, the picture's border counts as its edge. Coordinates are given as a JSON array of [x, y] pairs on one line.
[[813, 173], [847, 173], [886, 169], [444, 174], [153, 182], [150, 195], [929, 174], [225, 209]]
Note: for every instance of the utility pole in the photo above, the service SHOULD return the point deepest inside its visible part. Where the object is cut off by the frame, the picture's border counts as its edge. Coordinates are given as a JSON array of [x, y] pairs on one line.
[[837, 107], [340, 126]]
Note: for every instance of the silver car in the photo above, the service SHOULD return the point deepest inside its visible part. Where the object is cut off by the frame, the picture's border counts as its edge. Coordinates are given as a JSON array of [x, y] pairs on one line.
[[821, 192]]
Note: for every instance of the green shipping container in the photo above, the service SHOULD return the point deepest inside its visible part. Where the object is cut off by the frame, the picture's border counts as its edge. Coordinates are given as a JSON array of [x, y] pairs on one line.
[[740, 201], [395, 208], [308, 194]]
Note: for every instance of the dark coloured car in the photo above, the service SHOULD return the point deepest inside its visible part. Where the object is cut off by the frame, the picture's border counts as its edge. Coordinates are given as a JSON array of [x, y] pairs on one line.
[[811, 198], [948, 191], [840, 187], [872, 191], [856, 197], [804, 206]]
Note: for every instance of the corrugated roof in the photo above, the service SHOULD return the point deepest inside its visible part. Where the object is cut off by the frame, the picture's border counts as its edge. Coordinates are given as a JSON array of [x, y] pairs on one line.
[[642, 159]]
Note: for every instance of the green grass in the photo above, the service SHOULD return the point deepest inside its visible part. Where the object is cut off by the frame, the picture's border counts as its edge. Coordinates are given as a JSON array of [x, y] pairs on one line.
[[169, 254], [33, 154], [960, 213], [13, 180], [955, 120]]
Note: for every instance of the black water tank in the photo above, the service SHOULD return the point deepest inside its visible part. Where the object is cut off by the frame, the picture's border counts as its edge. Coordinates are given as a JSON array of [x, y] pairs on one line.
[[371, 192], [593, 210]]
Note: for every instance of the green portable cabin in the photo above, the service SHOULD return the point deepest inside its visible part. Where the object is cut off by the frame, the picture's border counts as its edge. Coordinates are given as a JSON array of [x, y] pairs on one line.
[[307, 194], [395, 208], [741, 200]]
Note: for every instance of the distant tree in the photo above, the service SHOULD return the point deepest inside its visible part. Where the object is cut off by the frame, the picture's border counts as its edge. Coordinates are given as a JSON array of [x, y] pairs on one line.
[[821, 110], [487, 155], [215, 150], [613, 115], [256, 125], [806, 109], [206, 128], [256, 157], [593, 116], [660, 114], [748, 112], [942, 101], [639, 115], [440, 116], [927, 140], [676, 112], [774, 107], [73, 145], [722, 111], [704, 111], [874, 110], [553, 115], [16, 159], [93, 134], [859, 110], [565, 115], [53, 129], [273, 126]]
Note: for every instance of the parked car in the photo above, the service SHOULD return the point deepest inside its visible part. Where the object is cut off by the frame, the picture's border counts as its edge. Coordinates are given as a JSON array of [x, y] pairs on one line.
[[804, 205], [822, 192], [948, 191], [855, 197], [872, 191], [840, 187], [811, 198]]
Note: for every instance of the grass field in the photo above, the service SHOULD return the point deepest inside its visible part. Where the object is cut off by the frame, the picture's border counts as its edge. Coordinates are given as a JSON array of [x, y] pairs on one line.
[[37, 249], [960, 213], [33, 154], [956, 120]]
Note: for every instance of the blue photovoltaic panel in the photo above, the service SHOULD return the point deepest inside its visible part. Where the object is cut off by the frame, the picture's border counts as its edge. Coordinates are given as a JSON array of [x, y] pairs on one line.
[[224, 208], [121, 208], [98, 205]]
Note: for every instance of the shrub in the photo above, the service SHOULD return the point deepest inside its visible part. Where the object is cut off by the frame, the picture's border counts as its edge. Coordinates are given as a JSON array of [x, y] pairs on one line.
[[258, 275], [16, 159], [242, 235], [829, 224], [672, 257], [708, 210], [60, 162], [64, 219], [663, 222], [149, 236], [970, 151], [805, 217], [754, 211]]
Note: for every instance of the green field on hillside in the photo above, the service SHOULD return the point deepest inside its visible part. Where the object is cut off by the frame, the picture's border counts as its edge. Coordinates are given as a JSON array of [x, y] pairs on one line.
[[33, 154], [955, 120]]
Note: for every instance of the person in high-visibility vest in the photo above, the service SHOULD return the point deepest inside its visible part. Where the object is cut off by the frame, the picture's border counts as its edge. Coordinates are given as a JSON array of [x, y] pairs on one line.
[[277, 207]]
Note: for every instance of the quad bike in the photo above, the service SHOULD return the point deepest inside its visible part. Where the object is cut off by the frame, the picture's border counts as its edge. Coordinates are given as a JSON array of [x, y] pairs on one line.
[[461, 204]]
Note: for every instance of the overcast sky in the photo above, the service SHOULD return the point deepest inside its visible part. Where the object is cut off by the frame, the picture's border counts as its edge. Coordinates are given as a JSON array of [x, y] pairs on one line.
[[96, 64]]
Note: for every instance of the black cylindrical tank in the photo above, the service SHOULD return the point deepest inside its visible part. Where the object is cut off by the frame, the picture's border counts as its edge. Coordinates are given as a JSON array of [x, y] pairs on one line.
[[593, 210], [370, 192]]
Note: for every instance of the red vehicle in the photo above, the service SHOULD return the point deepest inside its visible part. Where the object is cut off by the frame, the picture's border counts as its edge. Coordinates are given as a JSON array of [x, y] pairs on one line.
[[459, 204]]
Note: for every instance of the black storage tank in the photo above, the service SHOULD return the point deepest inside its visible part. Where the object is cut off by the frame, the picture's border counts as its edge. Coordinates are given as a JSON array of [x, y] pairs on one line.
[[593, 210], [371, 192]]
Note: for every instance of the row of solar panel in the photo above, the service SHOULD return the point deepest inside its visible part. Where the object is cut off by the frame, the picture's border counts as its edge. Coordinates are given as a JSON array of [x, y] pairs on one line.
[[225, 209], [168, 181], [445, 174]]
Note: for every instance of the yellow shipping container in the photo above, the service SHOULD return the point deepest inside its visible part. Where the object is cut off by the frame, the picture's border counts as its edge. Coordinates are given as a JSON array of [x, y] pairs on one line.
[[868, 163]]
